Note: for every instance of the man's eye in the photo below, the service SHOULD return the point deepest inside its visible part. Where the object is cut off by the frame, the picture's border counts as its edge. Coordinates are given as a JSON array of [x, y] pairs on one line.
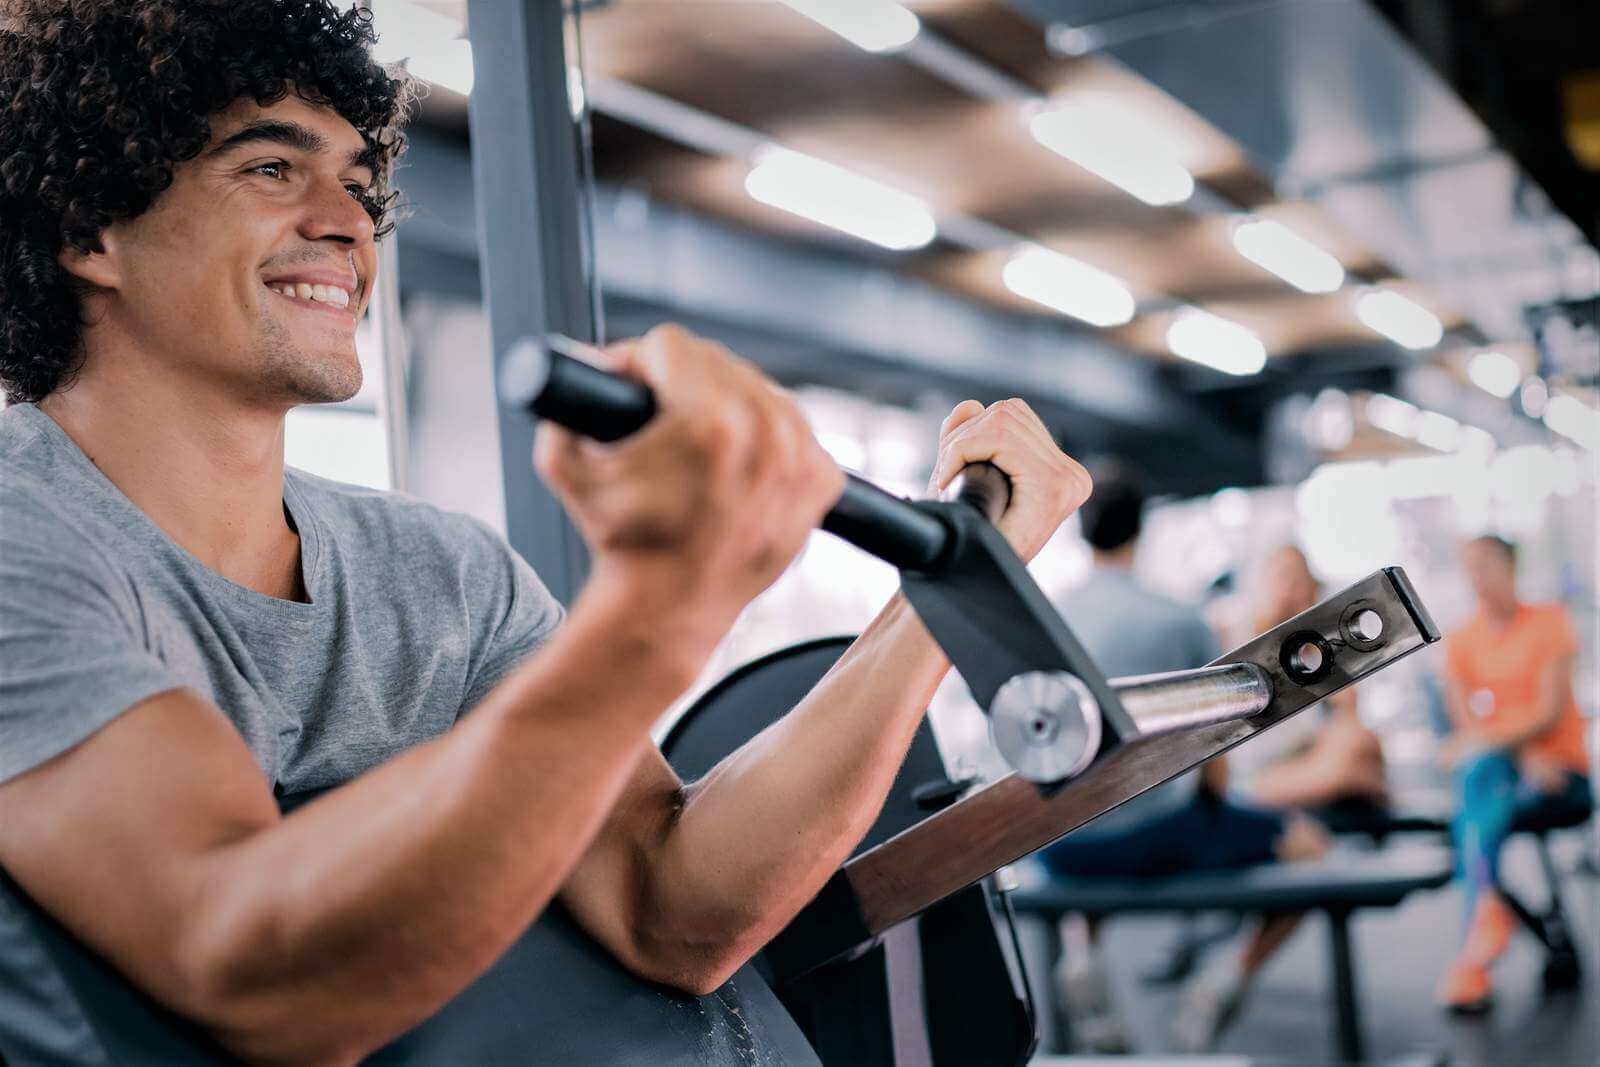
[[271, 170], [357, 190]]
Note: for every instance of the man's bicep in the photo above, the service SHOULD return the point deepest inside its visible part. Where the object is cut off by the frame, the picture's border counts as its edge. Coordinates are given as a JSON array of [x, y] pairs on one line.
[[112, 836]]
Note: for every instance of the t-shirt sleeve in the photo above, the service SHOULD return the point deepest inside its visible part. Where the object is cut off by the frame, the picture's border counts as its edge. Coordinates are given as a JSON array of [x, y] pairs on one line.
[[72, 650], [1457, 652], [523, 615], [1561, 639]]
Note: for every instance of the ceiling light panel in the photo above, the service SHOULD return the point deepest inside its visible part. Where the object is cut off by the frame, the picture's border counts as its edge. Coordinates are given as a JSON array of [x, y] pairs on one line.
[[875, 25], [1403, 321], [1218, 343], [841, 199], [1274, 247], [1116, 144], [1495, 373], [1573, 419], [1069, 286]]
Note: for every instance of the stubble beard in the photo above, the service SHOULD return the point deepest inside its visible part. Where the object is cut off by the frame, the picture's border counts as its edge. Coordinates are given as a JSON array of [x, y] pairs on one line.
[[287, 369]]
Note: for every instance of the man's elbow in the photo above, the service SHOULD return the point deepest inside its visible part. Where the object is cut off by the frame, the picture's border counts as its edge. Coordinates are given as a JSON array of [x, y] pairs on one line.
[[698, 966], [222, 987], [699, 977]]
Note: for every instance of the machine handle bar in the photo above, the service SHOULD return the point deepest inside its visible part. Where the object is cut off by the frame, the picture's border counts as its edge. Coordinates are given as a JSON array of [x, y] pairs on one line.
[[548, 378]]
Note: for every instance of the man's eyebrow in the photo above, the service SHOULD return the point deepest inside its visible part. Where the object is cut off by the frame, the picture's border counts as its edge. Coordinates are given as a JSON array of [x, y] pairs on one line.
[[294, 135]]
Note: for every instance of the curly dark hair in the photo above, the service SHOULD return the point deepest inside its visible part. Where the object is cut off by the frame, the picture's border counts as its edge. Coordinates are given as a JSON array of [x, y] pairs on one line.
[[100, 99]]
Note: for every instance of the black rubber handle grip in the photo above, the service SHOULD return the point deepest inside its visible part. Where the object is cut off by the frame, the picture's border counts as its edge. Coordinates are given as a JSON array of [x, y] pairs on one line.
[[571, 393], [537, 378]]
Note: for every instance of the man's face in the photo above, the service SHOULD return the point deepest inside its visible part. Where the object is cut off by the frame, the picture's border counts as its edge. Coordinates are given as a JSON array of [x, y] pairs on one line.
[[1289, 579], [251, 271], [1492, 575]]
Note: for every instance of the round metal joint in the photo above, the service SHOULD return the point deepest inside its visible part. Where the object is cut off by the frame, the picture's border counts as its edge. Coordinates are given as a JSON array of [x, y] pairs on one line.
[[1362, 625], [1306, 657], [1046, 724]]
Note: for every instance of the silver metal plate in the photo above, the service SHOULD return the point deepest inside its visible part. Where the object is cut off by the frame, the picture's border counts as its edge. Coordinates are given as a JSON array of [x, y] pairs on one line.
[[1046, 724]]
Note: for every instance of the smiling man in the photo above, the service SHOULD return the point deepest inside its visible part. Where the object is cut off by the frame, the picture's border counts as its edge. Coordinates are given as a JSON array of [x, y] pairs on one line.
[[190, 633]]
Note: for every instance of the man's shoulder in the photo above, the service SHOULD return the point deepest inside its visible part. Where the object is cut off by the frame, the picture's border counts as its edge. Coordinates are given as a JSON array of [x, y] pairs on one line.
[[20, 446], [1550, 618], [31, 495], [1104, 589]]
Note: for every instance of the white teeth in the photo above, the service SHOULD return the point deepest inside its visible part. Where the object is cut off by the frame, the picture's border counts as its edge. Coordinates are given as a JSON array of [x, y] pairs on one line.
[[322, 294]]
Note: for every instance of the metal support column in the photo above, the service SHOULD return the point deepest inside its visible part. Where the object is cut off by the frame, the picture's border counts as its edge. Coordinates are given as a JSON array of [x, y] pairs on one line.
[[1347, 1008], [526, 171]]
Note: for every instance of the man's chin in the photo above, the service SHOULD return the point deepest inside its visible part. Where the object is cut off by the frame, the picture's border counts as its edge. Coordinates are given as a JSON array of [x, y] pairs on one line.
[[325, 382]]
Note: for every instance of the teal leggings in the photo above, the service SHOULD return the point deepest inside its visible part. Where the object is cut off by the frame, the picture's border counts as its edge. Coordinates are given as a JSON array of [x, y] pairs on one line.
[[1493, 799]]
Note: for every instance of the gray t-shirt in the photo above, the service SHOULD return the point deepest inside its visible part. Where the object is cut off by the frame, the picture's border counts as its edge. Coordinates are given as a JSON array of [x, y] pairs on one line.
[[1129, 630], [415, 614]]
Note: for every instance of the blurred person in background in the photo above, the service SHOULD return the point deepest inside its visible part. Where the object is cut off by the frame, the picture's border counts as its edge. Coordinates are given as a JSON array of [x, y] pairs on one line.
[[1515, 749], [1321, 759], [1177, 828]]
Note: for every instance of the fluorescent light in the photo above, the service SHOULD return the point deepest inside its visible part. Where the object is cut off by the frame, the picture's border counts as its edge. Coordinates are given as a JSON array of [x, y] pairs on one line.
[[1069, 286], [811, 188], [1402, 321], [1210, 339], [1572, 418], [427, 42], [876, 25], [1534, 396], [1438, 431], [1276, 248], [1565, 471], [1495, 372], [1230, 507], [1114, 143], [1392, 415], [1477, 444]]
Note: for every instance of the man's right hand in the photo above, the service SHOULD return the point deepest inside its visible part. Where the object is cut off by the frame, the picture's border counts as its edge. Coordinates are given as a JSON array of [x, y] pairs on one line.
[[697, 513]]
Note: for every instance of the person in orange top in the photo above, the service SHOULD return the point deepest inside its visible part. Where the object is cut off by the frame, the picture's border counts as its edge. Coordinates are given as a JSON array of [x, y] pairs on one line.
[[1516, 746]]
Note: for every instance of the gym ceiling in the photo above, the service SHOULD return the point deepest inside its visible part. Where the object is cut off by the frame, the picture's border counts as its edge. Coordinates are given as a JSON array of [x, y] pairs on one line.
[[1315, 114]]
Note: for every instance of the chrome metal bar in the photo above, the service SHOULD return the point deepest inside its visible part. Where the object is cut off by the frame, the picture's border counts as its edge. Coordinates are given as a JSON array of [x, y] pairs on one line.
[[1181, 700]]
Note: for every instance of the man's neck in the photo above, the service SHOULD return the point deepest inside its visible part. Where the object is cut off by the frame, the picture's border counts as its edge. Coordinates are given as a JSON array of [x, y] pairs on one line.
[[1117, 559], [1500, 612], [206, 470]]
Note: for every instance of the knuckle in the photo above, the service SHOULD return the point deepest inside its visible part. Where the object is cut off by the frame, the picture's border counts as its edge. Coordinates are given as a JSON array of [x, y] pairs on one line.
[[668, 332]]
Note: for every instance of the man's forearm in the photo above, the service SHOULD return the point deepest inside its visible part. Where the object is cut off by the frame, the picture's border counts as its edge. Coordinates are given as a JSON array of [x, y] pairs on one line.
[[358, 915], [785, 810]]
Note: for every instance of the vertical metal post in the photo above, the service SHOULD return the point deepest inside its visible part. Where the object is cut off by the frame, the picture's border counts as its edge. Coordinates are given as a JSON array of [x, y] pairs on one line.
[[393, 407], [1347, 1008], [526, 170], [393, 410]]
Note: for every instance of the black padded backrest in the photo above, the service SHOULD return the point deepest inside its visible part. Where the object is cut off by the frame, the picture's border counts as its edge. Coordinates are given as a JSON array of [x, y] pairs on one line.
[[967, 1001], [123, 1025]]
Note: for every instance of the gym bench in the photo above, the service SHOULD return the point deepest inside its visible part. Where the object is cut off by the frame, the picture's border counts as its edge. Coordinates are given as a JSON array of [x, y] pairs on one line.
[[1338, 886]]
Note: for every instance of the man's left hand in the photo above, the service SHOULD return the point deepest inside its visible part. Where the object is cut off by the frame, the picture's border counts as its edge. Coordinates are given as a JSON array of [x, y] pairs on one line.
[[1047, 485]]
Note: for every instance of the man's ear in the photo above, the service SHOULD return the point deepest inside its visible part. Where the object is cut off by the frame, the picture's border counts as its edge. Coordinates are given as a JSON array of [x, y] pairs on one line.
[[100, 269]]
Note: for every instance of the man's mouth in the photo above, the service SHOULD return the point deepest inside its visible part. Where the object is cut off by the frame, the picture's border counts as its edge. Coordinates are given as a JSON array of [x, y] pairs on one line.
[[331, 295]]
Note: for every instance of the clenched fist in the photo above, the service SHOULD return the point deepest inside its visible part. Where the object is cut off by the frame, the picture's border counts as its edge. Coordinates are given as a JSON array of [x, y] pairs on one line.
[[702, 509], [1047, 485]]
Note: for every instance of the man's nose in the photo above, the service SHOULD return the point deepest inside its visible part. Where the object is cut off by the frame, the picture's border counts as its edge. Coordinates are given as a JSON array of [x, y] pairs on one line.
[[331, 213]]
